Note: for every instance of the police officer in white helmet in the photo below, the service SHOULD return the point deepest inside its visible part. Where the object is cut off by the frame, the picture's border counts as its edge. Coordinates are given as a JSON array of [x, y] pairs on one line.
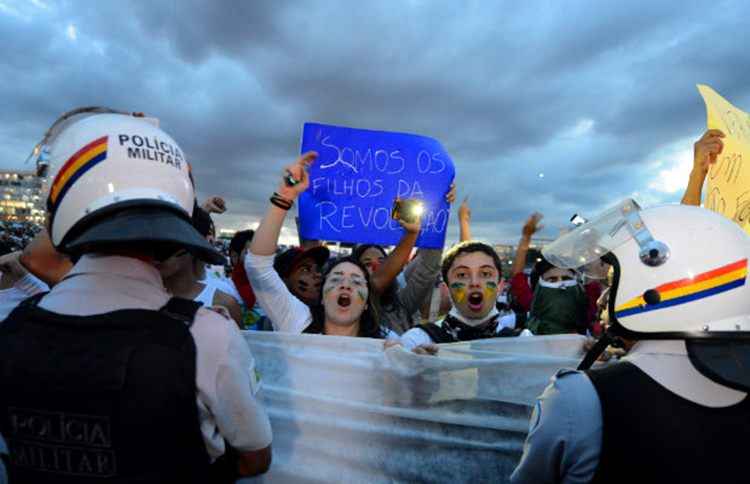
[[675, 409], [107, 378]]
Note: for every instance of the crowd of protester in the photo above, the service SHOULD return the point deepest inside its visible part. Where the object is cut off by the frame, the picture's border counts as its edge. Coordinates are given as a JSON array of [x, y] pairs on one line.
[[411, 298], [15, 236]]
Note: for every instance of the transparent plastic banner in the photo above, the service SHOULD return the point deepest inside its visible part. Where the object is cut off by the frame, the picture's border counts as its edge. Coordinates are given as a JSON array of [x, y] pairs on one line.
[[345, 410]]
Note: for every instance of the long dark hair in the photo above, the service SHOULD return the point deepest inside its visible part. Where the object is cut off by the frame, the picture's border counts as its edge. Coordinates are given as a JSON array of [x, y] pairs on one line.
[[368, 323], [388, 296]]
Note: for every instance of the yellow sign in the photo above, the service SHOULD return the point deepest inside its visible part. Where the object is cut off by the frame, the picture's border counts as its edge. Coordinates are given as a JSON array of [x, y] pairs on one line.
[[728, 189]]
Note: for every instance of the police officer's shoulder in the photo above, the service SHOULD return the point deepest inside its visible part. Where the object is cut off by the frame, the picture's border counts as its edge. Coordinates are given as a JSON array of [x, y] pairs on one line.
[[214, 332], [567, 379], [214, 323], [563, 372]]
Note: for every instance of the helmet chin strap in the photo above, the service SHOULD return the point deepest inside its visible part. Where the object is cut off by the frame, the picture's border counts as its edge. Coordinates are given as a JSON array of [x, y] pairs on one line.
[[608, 338], [596, 351]]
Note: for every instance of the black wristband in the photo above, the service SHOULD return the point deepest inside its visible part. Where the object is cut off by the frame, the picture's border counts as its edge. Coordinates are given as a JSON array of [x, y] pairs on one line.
[[281, 202]]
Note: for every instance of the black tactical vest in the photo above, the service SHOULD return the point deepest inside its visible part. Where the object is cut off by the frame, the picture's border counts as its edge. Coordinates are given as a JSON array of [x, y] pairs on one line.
[[104, 398], [651, 435]]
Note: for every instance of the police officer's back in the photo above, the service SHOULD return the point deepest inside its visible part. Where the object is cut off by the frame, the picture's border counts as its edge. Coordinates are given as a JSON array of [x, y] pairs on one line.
[[676, 408], [107, 378]]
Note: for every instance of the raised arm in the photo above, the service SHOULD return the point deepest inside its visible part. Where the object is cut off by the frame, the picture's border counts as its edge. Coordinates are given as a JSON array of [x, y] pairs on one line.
[[705, 152], [464, 220], [286, 312], [41, 259], [397, 259], [267, 235], [519, 285], [529, 228], [214, 205]]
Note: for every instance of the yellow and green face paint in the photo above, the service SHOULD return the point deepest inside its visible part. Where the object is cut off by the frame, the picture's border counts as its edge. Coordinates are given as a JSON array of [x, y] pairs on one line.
[[490, 290], [458, 291]]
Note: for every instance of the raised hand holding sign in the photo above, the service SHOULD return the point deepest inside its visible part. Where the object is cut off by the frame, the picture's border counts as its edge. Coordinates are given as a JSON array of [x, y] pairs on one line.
[[727, 149], [359, 174]]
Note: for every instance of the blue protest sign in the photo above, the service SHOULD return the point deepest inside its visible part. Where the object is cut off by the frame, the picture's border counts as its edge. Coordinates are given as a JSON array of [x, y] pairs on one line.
[[357, 176]]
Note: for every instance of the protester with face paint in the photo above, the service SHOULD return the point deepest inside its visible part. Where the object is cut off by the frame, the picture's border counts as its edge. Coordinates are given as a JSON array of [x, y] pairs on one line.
[[472, 271], [344, 309], [396, 305], [301, 269]]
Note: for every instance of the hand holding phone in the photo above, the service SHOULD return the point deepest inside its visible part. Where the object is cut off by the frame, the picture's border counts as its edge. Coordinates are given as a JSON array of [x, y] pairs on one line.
[[409, 210]]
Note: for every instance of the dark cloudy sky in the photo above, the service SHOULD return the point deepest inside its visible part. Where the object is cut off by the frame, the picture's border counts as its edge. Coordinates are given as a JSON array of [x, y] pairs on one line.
[[598, 97]]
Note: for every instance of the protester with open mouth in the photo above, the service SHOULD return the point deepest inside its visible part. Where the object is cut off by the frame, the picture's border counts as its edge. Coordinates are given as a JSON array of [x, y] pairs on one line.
[[472, 270], [344, 308]]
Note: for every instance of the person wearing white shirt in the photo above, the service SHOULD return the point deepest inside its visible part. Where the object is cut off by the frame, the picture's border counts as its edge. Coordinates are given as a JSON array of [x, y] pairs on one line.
[[344, 309]]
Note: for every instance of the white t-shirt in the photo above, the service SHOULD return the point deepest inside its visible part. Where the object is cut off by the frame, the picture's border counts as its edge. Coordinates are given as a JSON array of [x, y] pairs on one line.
[[206, 296], [225, 369], [223, 284]]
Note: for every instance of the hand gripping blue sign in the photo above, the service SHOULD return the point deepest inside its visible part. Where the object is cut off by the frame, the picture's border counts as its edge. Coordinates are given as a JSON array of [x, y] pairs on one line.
[[358, 175]]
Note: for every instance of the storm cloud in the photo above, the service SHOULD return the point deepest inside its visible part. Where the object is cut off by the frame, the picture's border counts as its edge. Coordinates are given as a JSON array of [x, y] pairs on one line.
[[558, 107]]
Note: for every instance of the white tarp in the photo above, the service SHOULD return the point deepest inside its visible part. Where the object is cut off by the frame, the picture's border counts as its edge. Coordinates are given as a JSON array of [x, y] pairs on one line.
[[344, 410]]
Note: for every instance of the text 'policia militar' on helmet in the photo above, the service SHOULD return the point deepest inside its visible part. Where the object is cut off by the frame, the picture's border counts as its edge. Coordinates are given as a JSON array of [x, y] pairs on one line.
[[680, 272], [121, 182]]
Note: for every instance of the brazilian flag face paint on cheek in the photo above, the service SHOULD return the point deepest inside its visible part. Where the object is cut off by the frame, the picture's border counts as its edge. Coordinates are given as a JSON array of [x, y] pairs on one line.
[[490, 289], [458, 290]]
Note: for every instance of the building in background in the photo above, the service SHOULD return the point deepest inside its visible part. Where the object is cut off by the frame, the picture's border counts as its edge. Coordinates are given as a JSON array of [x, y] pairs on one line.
[[21, 197]]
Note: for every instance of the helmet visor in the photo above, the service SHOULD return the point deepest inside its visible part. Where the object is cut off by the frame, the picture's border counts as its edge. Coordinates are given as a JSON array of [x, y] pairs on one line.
[[587, 243]]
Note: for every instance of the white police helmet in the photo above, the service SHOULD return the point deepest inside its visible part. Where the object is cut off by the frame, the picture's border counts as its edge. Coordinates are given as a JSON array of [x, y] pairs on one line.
[[679, 273], [119, 179]]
